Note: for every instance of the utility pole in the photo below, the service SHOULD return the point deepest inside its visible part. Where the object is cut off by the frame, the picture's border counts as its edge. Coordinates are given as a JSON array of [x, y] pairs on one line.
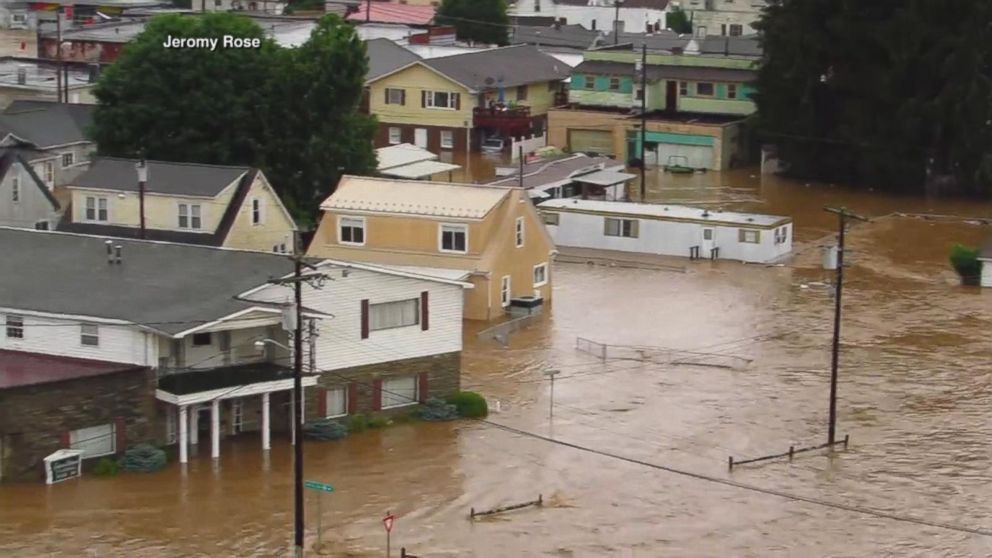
[[616, 20], [551, 405], [368, 11], [520, 155], [58, 53], [843, 214], [142, 169], [644, 114]]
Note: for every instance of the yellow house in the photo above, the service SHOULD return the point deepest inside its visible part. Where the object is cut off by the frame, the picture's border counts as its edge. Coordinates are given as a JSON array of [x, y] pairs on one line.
[[489, 236], [211, 205], [453, 103]]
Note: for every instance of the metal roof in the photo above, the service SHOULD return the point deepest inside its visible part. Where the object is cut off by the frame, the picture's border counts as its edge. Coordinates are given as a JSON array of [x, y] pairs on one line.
[[673, 212], [411, 197], [500, 67], [183, 179], [423, 169], [385, 56], [401, 154], [605, 178], [543, 172]]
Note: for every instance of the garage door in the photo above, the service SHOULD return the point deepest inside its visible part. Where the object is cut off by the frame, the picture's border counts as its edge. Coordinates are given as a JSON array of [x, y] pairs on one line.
[[590, 141], [698, 156]]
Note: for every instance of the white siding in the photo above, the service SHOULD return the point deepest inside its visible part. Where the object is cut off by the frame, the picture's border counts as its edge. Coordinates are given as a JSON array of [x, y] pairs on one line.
[[633, 20], [62, 337], [340, 344], [987, 273]]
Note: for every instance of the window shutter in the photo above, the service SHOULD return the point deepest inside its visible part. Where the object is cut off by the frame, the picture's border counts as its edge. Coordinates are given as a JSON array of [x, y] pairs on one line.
[[403, 97], [423, 99], [376, 395], [386, 92], [458, 101], [64, 441], [422, 387], [365, 318], [120, 433], [352, 398], [425, 314], [635, 227], [321, 402]]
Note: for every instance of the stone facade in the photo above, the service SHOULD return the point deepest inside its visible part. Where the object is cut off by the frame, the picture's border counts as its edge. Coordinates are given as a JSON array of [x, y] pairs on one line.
[[35, 420]]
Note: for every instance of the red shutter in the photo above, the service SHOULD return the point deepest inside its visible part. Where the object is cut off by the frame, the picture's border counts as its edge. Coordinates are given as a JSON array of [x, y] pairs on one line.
[[458, 101], [423, 99], [365, 318], [352, 398], [120, 430], [321, 402], [64, 440], [422, 387], [376, 395], [425, 313]]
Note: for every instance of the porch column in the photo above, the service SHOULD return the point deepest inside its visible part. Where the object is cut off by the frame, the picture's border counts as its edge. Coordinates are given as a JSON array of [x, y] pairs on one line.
[[194, 425], [215, 429], [266, 427], [183, 434]]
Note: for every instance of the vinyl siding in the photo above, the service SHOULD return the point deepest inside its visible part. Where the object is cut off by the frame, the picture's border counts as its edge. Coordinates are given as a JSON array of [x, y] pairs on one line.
[[32, 205], [414, 80], [55, 336], [275, 229]]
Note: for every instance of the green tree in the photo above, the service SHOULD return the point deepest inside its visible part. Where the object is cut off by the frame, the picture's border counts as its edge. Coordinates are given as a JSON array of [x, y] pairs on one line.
[[481, 21], [887, 93], [678, 21]]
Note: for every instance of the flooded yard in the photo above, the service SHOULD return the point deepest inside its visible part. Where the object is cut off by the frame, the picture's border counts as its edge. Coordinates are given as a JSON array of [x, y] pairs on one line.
[[915, 397]]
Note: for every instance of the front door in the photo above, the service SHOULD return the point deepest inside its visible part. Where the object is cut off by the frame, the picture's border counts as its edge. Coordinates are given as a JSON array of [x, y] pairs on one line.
[[671, 95], [707, 244], [420, 137]]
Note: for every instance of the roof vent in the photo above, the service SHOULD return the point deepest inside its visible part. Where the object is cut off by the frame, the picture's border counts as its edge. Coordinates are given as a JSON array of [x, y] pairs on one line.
[[750, 219], [706, 214], [110, 251], [117, 254]]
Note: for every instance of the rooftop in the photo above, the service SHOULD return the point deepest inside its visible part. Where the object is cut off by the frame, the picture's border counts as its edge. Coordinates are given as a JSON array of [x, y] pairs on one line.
[[673, 212], [385, 56], [38, 75], [387, 12], [181, 179], [412, 197], [287, 31], [544, 172], [401, 154], [46, 124], [571, 36], [666, 71], [665, 41], [496, 67], [19, 369]]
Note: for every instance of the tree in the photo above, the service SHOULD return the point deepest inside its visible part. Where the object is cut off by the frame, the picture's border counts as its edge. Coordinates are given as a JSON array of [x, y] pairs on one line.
[[482, 21], [677, 21], [887, 93]]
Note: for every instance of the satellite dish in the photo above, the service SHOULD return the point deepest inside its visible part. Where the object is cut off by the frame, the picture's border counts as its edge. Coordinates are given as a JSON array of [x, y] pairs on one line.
[[490, 81]]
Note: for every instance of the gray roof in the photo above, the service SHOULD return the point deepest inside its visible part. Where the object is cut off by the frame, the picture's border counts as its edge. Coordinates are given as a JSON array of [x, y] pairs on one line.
[[746, 47], [572, 36], [656, 72], [182, 179], [7, 158], [386, 56], [514, 65], [46, 123], [169, 287], [546, 171]]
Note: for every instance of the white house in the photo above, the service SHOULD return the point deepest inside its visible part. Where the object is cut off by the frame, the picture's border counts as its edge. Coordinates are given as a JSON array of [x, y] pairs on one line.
[[671, 230], [985, 256], [636, 16]]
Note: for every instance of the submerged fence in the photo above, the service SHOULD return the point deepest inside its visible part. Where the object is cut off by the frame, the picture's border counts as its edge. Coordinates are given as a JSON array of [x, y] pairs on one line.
[[660, 355], [501, 333]]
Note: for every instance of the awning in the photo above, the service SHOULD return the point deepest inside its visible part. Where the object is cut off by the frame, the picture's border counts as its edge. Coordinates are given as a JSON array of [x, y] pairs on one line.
[[604, 178], [199, 386], [423, 169]]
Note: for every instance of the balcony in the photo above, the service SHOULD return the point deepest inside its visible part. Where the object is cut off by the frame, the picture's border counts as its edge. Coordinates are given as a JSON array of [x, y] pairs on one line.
[[510, 121]]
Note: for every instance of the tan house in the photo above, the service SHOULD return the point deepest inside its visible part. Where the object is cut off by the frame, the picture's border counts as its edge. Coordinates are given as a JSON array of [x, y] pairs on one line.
[[211, 205], [454, 103], [489, 236]]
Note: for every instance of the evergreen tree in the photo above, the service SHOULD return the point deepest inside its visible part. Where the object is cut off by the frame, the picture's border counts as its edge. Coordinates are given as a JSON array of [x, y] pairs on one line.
[[677, 21], [481, 21]]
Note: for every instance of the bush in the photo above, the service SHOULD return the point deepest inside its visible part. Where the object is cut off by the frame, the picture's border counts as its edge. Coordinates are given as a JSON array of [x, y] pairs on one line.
[[469, 404], [144, 458], [324, 430], [378, 422], [106, 467], [357, 423], [436, 410], [965, 262]]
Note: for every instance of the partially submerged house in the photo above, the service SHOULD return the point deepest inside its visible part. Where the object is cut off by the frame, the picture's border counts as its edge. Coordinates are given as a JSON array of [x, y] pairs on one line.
[[406, 160], [570, 176], [489, 236], [669, 230]]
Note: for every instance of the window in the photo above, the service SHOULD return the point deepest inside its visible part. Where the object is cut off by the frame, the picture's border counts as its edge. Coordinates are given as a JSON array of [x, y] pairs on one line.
[[49, 172], [736, 29], [388, 315], [202, 339], [15, 188], [90, 335], [41, 226], [639, 94], [96, 209], [399, 392], [94, 441], [337, 403], [519, 229], [454, 238], [441, 99], [540, 275], [256, 211], [683, 88], [395, 96], [504, 291], [447, 139], [614, 84], [237, 416], [550, 218], [189, 216], [704, 89], [521, 92], [351, 230], [749, 236], [67, 160], [395, 136], [731, 90], [590, 82], [620, 227], [781, 235], [15, 326], [707, 234]]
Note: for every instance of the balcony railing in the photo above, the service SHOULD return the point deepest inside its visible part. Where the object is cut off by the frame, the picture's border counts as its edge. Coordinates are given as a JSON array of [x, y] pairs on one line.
[[509, 120]]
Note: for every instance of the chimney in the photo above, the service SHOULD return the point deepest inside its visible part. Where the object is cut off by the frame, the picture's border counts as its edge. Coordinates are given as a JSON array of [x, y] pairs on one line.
[[110, 251], [117, 256], [22, 75]]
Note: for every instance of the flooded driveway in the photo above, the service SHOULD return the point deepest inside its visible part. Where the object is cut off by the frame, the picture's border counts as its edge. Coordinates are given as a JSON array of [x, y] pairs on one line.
[[915, 397]]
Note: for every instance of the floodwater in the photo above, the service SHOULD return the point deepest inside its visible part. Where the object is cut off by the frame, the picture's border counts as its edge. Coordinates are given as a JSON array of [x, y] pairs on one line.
[[915, 396]]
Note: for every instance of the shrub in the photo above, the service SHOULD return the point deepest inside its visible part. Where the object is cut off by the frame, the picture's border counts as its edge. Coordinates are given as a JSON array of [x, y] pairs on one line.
[[469, 404], [437, 410], [378, 421], [144, 458], [357, 423], [324, 430], [106, 467], [965, 262]]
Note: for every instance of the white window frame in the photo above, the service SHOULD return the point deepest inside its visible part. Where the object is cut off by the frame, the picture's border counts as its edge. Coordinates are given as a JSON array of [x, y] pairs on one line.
[[391, 393], [89, 335], [330, 395], [551, 219], [400, 94], [505, 291], [14, 326], [15, 188], [96, 209], [454, 228], [395, 135], [193, 215], [518, 232], [70, 157], [86, 435], [634, 228], [447, 139], [393, 304], [432, 100], [257, 215], [543, 268], [352, 223], [749, 236]]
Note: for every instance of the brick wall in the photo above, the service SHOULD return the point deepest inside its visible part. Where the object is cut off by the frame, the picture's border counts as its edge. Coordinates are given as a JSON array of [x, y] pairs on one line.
[[35, 419]]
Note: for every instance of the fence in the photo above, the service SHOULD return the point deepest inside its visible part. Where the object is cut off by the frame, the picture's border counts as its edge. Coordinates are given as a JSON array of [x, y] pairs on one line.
[[591, 347], [660, 355], [501, 332], [530, 145]]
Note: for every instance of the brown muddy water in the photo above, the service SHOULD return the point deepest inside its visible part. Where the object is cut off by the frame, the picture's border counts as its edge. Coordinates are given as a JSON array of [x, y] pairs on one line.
[[915, 397]]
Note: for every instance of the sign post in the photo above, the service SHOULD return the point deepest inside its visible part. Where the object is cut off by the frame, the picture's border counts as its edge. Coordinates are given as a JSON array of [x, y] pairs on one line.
[[62, 465], [323, 488], [387, 522]]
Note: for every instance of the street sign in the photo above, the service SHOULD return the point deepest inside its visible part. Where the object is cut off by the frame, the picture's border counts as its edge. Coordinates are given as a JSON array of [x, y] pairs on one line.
[[387, 521], [314, 485]]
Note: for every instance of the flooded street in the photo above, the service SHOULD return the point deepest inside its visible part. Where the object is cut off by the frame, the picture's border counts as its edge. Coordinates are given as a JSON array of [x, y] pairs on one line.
[[915, 396]]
